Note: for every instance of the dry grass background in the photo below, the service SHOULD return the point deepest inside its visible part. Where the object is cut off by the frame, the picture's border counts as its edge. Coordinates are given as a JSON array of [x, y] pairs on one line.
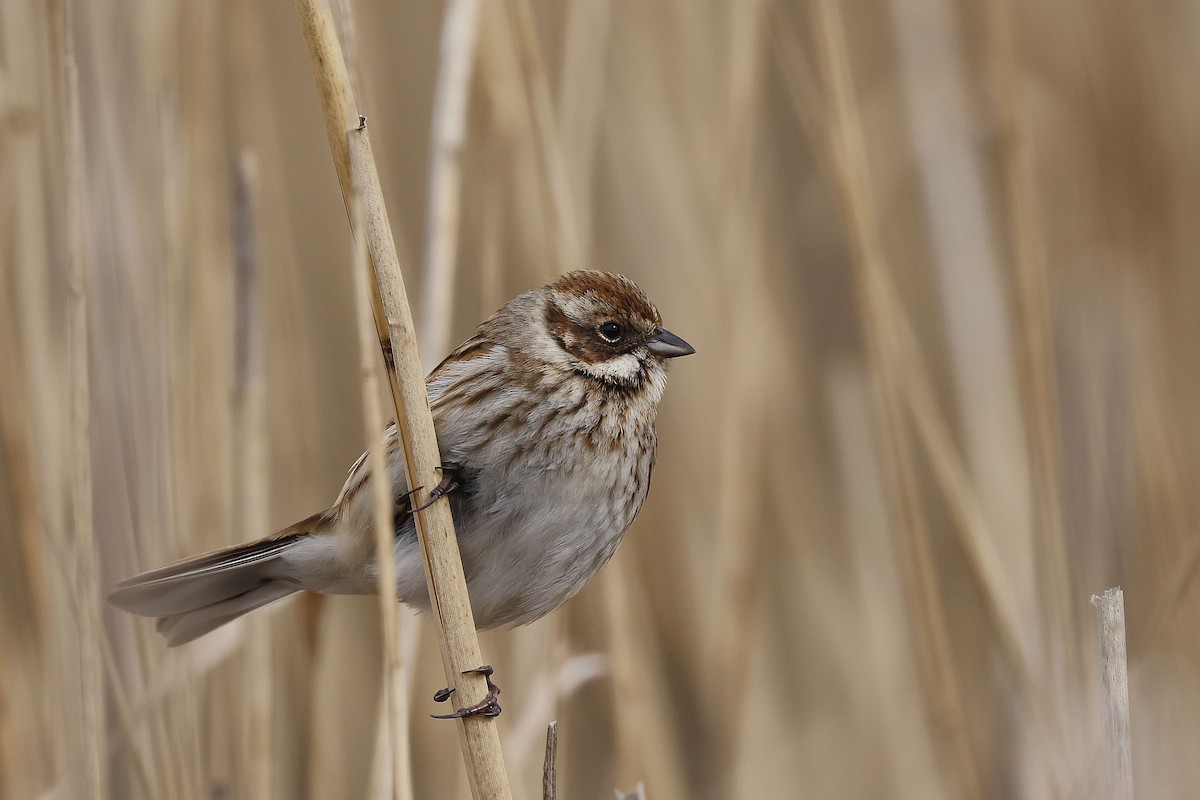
[[939, 260]]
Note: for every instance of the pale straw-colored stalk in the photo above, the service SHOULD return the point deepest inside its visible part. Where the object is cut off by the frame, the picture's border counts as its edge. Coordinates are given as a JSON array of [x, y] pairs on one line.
[[1114, 694], [563, 225], [451, 608], [251, 482], [459, 33], [395, 706], [86, 584], [947, 716], [1036, 362]]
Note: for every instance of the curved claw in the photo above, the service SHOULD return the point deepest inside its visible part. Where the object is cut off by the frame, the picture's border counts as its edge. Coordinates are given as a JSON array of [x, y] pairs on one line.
[[447, 485], [489, 706]]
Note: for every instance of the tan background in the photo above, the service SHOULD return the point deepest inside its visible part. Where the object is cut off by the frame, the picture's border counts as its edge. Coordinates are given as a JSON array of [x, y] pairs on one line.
[[925, 422]]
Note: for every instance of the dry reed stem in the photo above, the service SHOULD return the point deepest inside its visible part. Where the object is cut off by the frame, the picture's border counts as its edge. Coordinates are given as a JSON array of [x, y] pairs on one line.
[[450, 602], [250, 479], [646, 748], [65, 568], [971, 525], [1114, 693], [564, 227], [1037, 367], [33, 398], [90, 627], [550, 764], [459, 33], [741, 431], [19, 665], [581, 94], [395, 709], [168, 757], [144, 774], [937, 668], [393, 750], [916, 387], [954, 208]]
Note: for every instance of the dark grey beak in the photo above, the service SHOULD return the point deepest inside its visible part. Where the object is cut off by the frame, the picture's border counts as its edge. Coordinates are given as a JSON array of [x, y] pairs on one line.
[[668, 345]]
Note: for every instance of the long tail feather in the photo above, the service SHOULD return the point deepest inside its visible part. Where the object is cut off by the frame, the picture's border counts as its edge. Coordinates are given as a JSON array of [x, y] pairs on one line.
[[182, 628], [195, 596]]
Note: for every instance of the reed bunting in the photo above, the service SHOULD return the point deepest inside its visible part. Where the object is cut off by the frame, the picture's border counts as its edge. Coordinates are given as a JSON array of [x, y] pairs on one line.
[[546, 417]]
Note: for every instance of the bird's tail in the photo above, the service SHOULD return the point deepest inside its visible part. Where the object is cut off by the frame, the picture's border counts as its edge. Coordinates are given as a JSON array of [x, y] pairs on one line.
[[198, 595]]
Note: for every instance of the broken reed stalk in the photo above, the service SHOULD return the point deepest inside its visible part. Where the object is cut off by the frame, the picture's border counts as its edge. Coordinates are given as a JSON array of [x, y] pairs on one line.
[[395, 709], [450, 603], [1114, 693], [550, 764]]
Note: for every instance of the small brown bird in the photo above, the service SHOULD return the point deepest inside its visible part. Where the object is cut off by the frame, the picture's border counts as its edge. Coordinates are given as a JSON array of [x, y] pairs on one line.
[[546, 415]]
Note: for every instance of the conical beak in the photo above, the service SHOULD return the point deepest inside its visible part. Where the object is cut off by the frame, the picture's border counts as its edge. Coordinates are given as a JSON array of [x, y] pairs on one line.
[[668, 345]]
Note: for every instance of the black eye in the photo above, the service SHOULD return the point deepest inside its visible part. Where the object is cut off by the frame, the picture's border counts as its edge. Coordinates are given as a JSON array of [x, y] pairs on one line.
[[611, 331]]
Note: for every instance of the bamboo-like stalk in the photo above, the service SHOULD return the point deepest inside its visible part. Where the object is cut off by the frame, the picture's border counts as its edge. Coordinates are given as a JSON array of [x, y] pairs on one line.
[[395, 708], [450, 602], [459, 32], [91, 664], [845, 141], [1114, 693]]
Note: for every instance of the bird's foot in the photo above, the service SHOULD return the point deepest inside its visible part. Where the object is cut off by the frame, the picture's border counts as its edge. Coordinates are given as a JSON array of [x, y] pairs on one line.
[[487, 707], [448, 484]]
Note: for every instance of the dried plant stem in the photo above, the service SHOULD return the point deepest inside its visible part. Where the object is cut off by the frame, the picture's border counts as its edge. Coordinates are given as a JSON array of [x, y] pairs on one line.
[[544, 127], [550, 765], [91, 664], [396, 709], [445, 172], [450, 602], [1036, 362], [1114, 693], [737, 556], [250, 479], [916, 388], [844, 140]]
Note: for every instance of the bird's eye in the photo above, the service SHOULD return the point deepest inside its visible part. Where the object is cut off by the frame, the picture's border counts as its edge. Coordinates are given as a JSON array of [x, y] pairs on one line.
[[611, 331]]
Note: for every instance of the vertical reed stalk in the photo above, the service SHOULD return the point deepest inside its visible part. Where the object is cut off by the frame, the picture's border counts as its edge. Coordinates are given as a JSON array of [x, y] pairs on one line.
[[459, 33], [86, 585], [1035, 357], [394, 707], [250, 481], [564, 228], [934, 653], [451, 605], [1114, 693]]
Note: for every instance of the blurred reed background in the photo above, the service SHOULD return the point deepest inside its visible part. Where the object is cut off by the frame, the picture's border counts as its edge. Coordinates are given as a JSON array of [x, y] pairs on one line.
[[939, 263]]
